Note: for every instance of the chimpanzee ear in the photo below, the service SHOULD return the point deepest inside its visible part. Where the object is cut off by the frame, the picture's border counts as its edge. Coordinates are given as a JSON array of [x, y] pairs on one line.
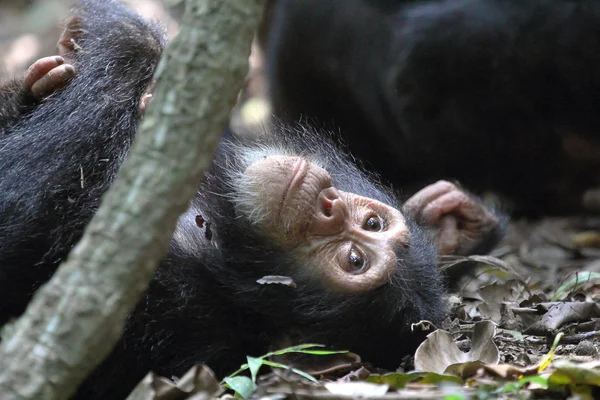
[[69, 37]]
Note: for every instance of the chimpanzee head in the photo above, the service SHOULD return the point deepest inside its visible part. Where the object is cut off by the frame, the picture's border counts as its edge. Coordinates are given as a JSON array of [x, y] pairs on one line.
[[293, 205]]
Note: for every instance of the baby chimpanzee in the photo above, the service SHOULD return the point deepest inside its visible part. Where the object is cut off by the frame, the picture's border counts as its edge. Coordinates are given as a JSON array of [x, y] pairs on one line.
[[286, 204]]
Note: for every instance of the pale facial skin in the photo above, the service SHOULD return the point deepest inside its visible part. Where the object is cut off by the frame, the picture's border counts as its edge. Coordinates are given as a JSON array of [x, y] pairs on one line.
[[358, 235], [354, 237]]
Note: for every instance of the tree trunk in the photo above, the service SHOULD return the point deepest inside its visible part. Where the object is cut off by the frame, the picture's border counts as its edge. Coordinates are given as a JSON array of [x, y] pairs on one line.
[[75, 319]]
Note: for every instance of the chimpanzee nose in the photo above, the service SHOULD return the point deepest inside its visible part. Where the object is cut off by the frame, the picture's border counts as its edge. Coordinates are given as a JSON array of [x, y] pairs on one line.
[[330, 214]]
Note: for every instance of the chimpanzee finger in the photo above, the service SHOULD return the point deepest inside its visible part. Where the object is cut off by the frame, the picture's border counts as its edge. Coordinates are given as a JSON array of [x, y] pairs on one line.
[[55, 79], [40, 68], [417, 203], [454, 202], [448, 238]]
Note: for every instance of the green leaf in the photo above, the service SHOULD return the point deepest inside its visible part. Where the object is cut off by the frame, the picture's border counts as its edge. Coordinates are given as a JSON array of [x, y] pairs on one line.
[[574, 282], [399, 380], [305, 349], [511, 387], [240, 370], [580, 373], [454, 396], [542, 381], [293, 349], [294, 370], [322, 352], [275, 364], [254, 363], [305, 375], [241, 385], [545, 361]]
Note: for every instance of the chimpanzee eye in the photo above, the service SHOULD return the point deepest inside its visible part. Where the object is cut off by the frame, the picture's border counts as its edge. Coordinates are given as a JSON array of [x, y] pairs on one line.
[[373, 224], [357, 261]]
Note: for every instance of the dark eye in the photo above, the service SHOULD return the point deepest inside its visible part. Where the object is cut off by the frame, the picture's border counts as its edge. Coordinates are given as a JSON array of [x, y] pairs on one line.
[[357, 261], [373, 224]]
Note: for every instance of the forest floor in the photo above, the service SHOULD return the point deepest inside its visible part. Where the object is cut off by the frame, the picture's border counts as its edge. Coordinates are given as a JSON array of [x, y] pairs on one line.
[[541, 284]]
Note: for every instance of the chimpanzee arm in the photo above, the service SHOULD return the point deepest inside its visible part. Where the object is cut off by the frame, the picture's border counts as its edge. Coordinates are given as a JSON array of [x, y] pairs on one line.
[[56, 163]]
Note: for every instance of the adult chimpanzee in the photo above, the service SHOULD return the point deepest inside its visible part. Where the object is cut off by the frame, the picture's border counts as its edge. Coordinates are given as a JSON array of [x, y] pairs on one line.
[[288, 204], [500, 94]]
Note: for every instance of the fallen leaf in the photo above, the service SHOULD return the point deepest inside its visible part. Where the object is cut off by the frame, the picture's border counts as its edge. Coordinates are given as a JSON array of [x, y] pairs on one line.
[[560, 313], [199, 382], [495, 295], [585, 239], [576, 374], [438, 352]]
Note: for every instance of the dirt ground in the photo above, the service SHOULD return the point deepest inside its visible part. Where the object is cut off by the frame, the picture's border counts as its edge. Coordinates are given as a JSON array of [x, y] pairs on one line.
[[543, 280]]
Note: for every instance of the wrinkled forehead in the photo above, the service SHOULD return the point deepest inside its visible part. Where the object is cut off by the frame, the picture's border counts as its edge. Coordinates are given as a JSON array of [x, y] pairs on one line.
[[345, 173]]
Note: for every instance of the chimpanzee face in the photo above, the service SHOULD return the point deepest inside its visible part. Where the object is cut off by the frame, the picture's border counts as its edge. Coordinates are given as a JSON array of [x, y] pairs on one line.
[[352, 239]]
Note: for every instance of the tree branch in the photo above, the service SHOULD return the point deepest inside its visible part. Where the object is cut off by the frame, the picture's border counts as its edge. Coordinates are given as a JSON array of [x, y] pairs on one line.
[[74, 320]]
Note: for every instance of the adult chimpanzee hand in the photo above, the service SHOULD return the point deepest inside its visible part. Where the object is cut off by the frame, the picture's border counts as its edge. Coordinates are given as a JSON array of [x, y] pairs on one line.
[[465, 223]]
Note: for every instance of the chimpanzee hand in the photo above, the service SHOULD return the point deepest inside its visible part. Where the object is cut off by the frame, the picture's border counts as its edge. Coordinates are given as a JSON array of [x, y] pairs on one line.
[[47, 75], [466, 225]]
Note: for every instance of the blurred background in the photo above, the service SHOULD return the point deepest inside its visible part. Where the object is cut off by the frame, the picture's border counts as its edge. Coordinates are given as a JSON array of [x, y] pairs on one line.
[[29, 29]]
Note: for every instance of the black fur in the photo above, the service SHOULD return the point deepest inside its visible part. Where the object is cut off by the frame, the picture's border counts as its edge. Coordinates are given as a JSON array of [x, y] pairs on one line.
[[15, 103], [204, 305], [495, 93], [57, 162]]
